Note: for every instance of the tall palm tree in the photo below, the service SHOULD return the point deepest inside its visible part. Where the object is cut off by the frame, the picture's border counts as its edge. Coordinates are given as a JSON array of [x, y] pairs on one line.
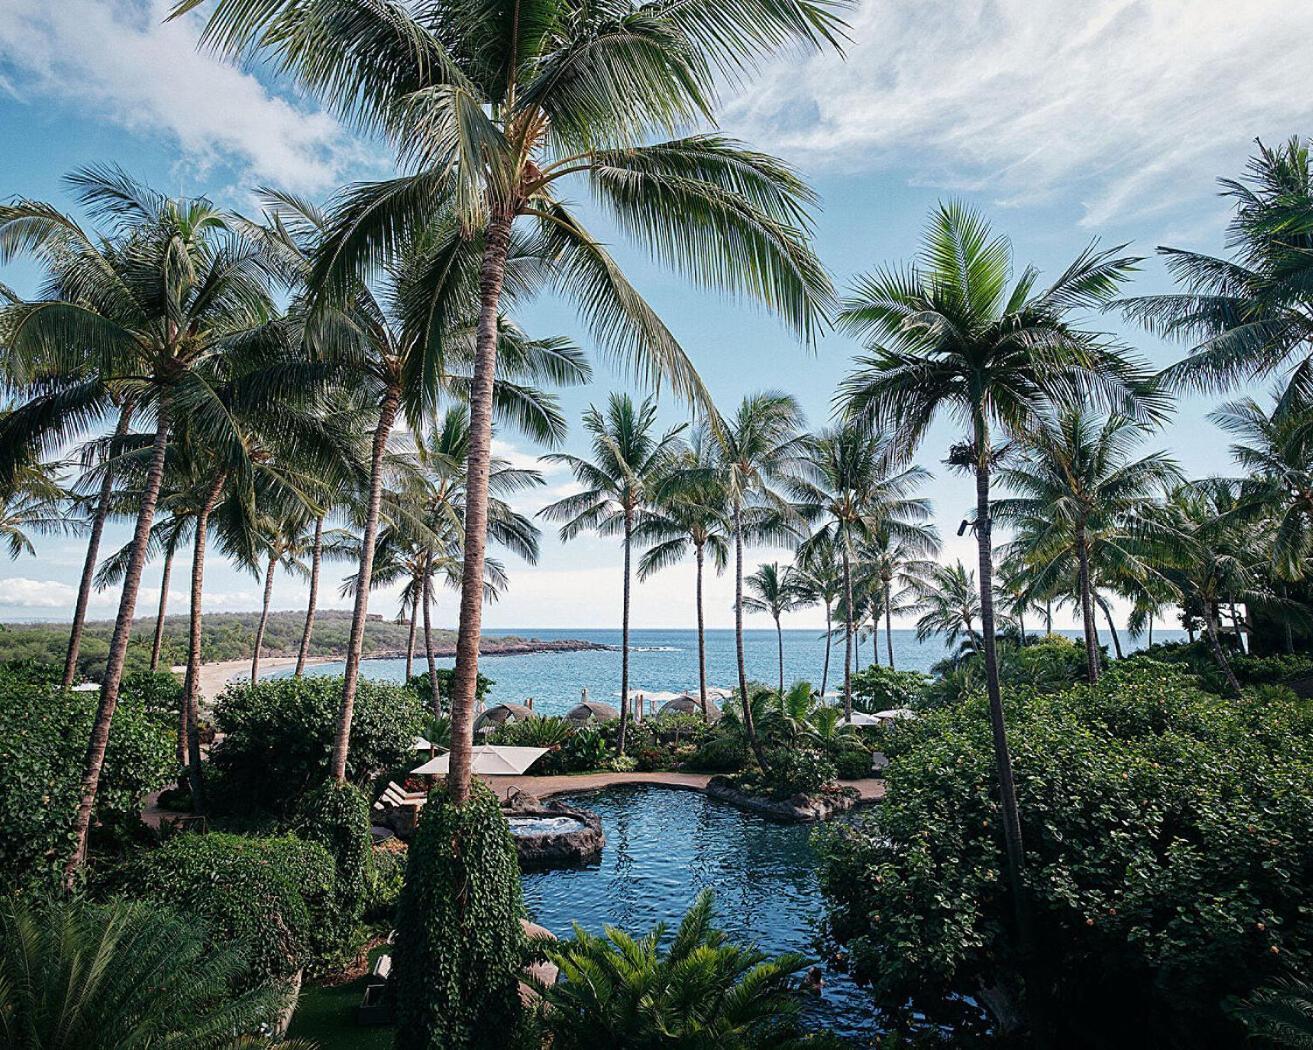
[[407, 339], [949, 604], [759, 447], [953, 333], [819, 579], [688, 513], [900, 560], [855, 485], [1078, 483], [631, 461], [494, 113], [1249, 316], [32, 502], [772, 592], [284, 545], [165, 288]]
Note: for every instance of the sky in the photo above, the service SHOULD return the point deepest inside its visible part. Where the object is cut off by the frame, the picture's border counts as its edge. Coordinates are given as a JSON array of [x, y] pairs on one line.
[[1108, 120]]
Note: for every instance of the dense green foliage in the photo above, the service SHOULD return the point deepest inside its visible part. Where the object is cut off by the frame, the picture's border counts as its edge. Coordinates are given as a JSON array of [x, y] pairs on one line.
[[122, 977], [1045, 664], [459, 946], [1168, 857], [695, 990], [43, 739], [880, 688], [385, 875], [337, 817], [279, 735], [274, 898], [1274, 669], [422, 687]]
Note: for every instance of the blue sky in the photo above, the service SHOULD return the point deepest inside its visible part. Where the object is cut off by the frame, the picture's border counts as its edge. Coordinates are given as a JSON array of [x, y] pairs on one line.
[[1108, 119]]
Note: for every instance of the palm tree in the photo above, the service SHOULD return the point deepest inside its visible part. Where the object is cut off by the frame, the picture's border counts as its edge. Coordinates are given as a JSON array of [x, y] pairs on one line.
[[772, 592], [125, 976], [949, 604], [819, 579], [165, 289], [32, 502], [949, 334], [1249, 316], [285, 545], [493, 114], [855, 486], [758, 448], [900, 560], [1088, 498], [630, 463], [406, 342], [692, 989], [688, 513], [1280, 1014]]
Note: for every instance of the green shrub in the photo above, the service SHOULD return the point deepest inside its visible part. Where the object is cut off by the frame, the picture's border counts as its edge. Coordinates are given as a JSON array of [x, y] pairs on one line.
[[551, 731], [279, 737], [272, 897], [1167, 855], [158, 692], [852, 762], [337, 817], [43, 742], [419, 685], [460, 946], [584, 751], [881, 689], [721, 753], [797, 770], [384, 878]]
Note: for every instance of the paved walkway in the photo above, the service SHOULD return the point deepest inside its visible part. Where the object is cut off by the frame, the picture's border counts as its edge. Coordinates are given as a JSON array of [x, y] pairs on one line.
[[870, 789]]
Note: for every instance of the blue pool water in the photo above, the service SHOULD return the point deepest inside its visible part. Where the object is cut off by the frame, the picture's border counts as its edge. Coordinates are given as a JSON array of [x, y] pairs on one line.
[[663, 846], [665, 660]]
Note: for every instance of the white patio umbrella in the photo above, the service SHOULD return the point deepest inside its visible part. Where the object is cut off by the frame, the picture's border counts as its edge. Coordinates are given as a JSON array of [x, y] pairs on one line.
[[421, 744], [894, 714], [488, 760], [861, 719]]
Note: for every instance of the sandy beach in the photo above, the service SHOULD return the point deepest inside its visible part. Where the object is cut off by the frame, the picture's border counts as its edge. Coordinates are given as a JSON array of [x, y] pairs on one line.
[[214, 676]]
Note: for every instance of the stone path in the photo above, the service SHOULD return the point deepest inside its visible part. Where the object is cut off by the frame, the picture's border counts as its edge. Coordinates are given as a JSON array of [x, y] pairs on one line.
[[869, 790]]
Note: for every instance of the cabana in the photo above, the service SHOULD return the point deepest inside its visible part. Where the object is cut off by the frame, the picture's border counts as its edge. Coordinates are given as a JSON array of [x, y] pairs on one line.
[[591, 711], [500, 714], [690, 705]]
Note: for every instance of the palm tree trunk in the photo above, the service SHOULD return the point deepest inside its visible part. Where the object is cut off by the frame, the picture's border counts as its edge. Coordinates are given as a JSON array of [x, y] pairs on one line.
[[118, 647], [93, 553], [157, 643], [410, 638], [264, 617], [779, 638], [1214, 643], [829, 642], [192, 682], [1087, 606], [847, 632], [1048, 617], [351, 676], [464, 683], [702, 638], [1021, 622], [889, 625], [316, 557], [1151, 630], [435, 691], [1007, 789], [875, 639], [624, 640], [748, 725], [1112, 627]]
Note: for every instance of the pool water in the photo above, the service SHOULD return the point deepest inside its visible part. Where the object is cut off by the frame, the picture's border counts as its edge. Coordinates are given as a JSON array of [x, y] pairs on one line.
[[663, 846]]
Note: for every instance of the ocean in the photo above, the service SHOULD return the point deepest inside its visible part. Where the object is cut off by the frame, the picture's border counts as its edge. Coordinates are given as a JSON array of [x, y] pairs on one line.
[[666, 661]]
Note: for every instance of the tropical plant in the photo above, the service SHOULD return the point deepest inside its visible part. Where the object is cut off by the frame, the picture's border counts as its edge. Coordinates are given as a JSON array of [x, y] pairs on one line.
[[949, 604], [34, 502], [695, 989], [1280, 1014], [492, 114], [772, 592], [899, 561], [630, 462], [123, 976], [952, 333], [818, 577]]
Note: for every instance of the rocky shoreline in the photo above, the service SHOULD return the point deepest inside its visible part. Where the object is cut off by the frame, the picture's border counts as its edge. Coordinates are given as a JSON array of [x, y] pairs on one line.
[[501, 647]]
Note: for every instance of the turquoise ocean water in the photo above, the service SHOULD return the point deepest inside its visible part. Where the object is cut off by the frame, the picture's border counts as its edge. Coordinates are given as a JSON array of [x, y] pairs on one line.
[[666, 660]]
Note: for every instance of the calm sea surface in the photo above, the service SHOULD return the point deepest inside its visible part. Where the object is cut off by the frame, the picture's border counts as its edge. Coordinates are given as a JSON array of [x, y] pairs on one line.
[[662, 660]]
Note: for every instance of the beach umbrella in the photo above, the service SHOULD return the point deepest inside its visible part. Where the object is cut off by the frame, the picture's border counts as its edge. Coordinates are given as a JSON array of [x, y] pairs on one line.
[[861, 719], [421, 744], [895, 713], [488, 760]]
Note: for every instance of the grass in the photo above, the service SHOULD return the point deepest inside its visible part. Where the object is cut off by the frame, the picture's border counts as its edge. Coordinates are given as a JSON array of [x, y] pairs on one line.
[[326, 1016]]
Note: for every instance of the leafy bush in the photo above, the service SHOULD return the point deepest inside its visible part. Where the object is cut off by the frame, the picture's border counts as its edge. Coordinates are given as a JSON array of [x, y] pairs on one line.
[[881, 689], [622, 763], [271, 897], [584, 751], [1167, 856], [551, 731], [721, 753], [158, 692], [121, 977], [43, 742], [851, 761], [419, 684], [797, 770], [695, 990], [279, 736], [337, 817], [384, 877], [460, 946]]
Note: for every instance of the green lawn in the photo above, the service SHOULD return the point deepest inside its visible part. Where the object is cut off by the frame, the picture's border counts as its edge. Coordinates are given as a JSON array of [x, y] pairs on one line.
[[326, 1016]]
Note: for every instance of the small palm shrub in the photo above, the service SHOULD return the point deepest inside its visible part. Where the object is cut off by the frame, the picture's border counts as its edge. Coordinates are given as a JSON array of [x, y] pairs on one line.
[[459, 946], [279, 736], [272, 897], [549, 732], [1280, 1015], [126, 976], [584, 751], [695, 990]]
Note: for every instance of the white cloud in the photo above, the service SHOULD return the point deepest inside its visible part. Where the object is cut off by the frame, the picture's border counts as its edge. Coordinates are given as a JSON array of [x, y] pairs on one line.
[[20, 592], [1125, 103], [120, 60]]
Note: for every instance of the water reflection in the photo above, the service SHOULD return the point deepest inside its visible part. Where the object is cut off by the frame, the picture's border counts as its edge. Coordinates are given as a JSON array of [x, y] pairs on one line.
[[663, 846]]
